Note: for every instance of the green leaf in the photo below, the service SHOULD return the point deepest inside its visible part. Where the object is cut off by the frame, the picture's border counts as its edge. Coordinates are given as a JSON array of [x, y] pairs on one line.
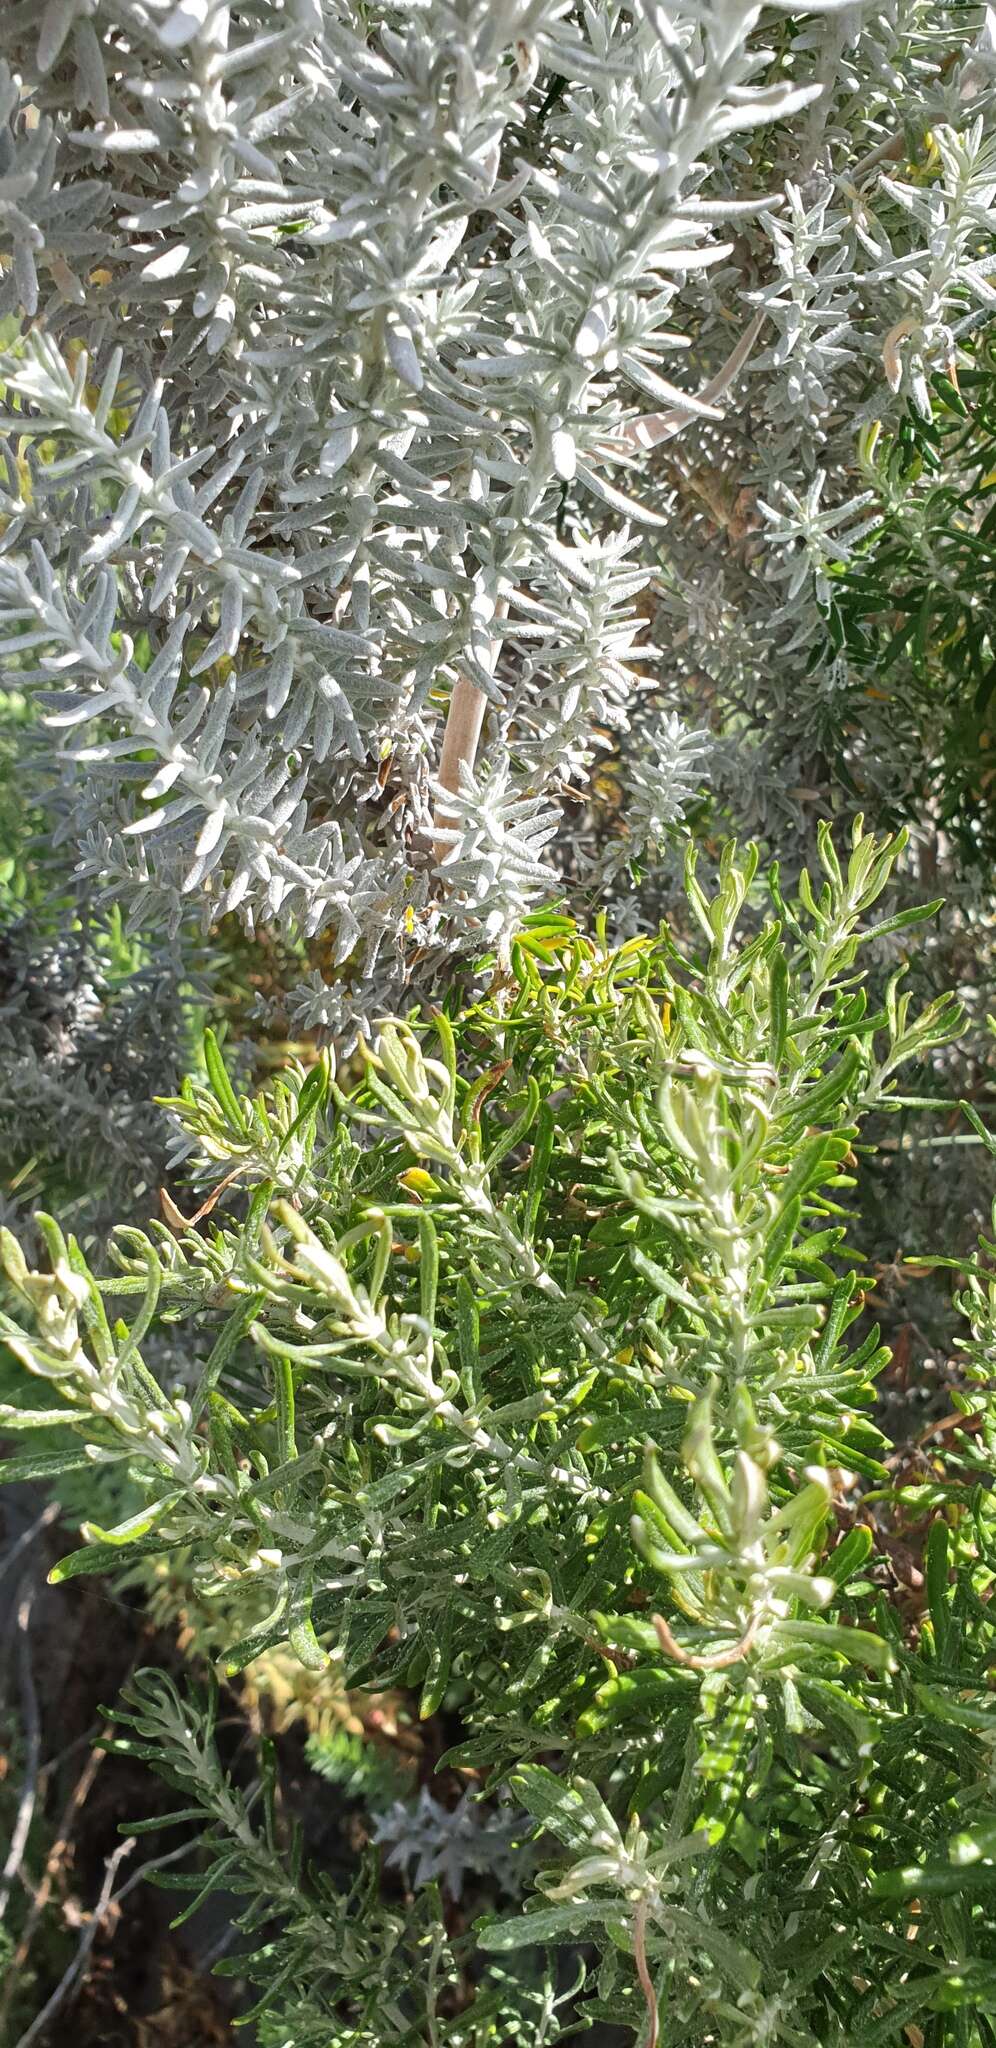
[[646, 1692], [48, 1464], [700, 1458], [547, 1923], [94, 1558], [856, 1645], [539, 1167], [836, 1322], [823, 1096], [672, 1514], [440, 1660], [428, 1266], [14, 1419], [517, 1130], [223, 1351], [930, 1880], [938, 1595], [301, 1628], [849, 1555], [573, 1810], [778, 999], [665, 1284], [221, 1086], [468, 1331], [959, 1713], [976, 1844], [257, 1641], [904, 918], [780, 1236], [627, 1632], [365, 1629], [136, 1526], [283, 1390], [311, 1100]]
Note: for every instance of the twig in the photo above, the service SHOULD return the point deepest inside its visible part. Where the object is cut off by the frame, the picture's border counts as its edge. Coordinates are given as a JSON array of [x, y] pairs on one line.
[[464, 720], [108, 1898], [174, 1217], [43, 1521], [77, 1799], [463, 731], [32, 1748], [888, 151], [72, 1975], [623, 1660], [718, 1661], [54, 1764], [653, 427], [646, 1984]]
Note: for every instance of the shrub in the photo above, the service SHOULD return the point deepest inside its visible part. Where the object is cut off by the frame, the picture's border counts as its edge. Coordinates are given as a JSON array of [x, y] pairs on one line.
[[460, 459], [332, 334], [530, 1387]]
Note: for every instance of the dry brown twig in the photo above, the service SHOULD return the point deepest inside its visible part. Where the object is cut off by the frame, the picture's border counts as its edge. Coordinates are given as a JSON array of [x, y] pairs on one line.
[[108, 1899], [460, 739], [175, 1218], [53, 1863], [719, 1660], [73, 1974], [642, 1971]]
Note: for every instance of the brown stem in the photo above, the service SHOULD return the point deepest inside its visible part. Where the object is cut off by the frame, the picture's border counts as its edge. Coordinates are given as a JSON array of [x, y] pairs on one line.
[[653, 427], [463, 731], [175, 1218], [623, 1660], [646, 1985], [53, 1862], [460, 740], [718, 1661]]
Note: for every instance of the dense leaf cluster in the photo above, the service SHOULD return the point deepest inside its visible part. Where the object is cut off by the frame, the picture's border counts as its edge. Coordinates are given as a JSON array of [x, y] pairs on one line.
[[530, 1387], [373, 374], [458, 459]]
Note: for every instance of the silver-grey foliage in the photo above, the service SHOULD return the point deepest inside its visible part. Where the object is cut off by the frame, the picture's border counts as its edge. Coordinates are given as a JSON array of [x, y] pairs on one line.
[[84, 1050], [428, 1841], [347, 347]]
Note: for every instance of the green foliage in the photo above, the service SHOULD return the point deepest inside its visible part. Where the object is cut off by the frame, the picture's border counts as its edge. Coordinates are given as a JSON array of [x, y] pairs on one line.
[[914, 610], [363, 1770], [332, 1966], [520, 1372], [529, 1386]]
